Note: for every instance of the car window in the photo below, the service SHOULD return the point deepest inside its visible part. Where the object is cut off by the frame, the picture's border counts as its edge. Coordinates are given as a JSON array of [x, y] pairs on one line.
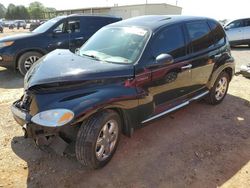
[[218, 33], [171, 41], [47, 25], [247, 23], [73, 26], [116, 45], [70, 26], [91, 25], [200, 35], [61, 28], [235, 24]]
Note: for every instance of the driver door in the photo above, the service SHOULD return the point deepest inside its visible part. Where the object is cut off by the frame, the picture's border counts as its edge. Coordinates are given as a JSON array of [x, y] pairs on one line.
[[59, 38], [168, 82]]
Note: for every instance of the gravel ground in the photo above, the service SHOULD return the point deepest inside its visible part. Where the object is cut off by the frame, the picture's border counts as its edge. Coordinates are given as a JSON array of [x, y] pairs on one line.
[[197, 146]]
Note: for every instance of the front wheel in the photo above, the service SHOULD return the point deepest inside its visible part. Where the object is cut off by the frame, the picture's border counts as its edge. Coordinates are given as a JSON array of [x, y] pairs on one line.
[[98, 138], [219, 90], [27, 60]]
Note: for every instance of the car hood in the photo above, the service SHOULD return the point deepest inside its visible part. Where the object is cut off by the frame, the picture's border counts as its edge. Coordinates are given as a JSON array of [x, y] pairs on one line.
[[64, 66], [18, 36]]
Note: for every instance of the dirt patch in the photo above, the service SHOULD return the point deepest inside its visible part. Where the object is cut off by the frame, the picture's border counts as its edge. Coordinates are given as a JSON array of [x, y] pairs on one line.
[[197, 146]]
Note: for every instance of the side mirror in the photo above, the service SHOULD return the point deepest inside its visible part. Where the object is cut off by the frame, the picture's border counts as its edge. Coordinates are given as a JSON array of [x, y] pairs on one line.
[[56, 31], [164, 59], [226, 28], [77, 50]]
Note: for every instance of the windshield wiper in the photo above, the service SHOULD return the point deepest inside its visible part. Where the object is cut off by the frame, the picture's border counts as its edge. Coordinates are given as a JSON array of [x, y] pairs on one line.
[[92, 56]]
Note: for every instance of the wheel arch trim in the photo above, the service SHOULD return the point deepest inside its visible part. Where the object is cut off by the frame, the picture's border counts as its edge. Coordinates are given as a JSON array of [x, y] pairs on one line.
[[227, 67], [20, 53], [127, 127]]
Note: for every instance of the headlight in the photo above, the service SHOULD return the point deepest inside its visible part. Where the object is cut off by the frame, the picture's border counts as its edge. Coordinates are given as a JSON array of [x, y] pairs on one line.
[[4, 44], [53, 118]]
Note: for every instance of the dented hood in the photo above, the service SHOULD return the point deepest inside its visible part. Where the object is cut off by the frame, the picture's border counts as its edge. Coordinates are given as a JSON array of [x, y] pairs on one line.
[[64, 66]]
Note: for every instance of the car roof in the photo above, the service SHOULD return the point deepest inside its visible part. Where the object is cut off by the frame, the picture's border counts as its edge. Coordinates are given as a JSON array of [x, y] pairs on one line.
[[91, 15], [238, 19], [154, 22]]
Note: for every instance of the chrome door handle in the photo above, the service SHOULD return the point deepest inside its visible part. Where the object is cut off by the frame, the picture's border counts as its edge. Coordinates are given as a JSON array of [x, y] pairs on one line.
[[79, 38], [189, 66]]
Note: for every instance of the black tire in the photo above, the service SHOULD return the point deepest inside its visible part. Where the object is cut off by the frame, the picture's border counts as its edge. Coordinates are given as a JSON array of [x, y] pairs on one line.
[[22, 61], [89, 132], [211, 98]]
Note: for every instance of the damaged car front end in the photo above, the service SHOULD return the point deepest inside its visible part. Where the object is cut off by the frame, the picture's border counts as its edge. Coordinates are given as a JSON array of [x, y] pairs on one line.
[[56, 102], [47, 127]]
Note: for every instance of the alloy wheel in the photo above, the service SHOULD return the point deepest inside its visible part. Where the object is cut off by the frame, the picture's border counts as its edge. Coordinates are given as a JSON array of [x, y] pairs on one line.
[[30, 61], [221, 88], [106, 140]]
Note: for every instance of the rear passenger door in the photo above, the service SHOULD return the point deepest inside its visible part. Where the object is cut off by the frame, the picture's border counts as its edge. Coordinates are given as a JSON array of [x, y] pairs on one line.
[[201, 43], [92, 25]]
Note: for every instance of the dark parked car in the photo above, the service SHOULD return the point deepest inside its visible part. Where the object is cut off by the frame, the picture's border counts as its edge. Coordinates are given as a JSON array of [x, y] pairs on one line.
[[65, 32], [126, 75], [1, 28]]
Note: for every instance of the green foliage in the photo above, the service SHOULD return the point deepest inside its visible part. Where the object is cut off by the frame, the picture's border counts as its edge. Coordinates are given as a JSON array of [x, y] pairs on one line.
[[2, 11], [52, 12], [35, 10], [10, 14], [16, 12]]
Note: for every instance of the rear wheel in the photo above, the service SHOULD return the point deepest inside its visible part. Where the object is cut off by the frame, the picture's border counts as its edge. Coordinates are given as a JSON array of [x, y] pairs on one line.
[[219, 90], [98, 138], [27, 60]]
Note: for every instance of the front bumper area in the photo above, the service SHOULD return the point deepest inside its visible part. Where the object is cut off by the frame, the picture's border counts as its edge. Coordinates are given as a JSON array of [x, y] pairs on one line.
[[56, 138], [47, 137], [22, 117]]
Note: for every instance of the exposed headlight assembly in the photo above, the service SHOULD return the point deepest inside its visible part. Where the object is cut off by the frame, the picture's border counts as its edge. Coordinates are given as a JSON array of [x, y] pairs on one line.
[[4, 44], [53, 118]]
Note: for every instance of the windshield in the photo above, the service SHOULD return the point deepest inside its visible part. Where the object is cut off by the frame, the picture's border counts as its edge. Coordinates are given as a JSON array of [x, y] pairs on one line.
[[116, 45], [45, 26]]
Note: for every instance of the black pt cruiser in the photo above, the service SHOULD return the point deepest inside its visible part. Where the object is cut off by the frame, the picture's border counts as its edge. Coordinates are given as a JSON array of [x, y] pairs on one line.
[[127, 74]]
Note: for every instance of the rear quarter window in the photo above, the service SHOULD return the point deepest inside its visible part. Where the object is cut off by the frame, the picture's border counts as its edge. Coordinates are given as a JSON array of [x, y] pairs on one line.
[[91, 25], [247, 23], [217, 32], [200, 35]]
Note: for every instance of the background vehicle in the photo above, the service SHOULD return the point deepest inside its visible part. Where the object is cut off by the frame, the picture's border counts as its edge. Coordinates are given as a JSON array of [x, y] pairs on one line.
[[20, 23], [6, 23], [64, 32], [36, 24], [238, 31], [1, 28], [128, 74]]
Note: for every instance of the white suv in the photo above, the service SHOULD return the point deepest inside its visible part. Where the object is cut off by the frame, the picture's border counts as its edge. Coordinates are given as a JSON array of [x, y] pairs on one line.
[[238, 31]]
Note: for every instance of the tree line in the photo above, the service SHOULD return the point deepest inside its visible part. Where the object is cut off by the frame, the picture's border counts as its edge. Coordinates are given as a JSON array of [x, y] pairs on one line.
[[35, 10]]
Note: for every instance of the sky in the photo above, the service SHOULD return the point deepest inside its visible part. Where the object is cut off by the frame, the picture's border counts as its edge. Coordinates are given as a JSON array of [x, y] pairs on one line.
[[218, 9]]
